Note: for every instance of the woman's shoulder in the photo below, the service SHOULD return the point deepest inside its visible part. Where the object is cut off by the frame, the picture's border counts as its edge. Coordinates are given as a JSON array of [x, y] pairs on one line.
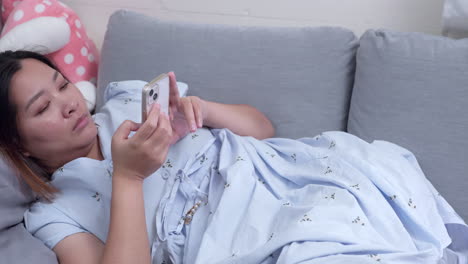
[[81, 205]]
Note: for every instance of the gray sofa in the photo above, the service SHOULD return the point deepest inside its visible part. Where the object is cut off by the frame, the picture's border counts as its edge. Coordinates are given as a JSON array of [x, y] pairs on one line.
[[407, 88]]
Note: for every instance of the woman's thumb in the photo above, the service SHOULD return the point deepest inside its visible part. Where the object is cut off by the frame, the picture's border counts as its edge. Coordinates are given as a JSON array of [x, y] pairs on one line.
[[125, 128]]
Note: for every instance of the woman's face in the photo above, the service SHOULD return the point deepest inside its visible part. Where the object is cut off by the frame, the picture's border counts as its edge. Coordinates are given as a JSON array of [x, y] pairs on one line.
[[53, 121]]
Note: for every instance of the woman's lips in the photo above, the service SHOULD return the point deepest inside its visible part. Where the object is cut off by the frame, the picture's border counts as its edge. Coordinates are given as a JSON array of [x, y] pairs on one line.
[[81, 122]]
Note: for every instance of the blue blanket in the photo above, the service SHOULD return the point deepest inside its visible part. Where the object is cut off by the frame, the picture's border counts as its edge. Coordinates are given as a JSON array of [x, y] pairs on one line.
[[329, 199]]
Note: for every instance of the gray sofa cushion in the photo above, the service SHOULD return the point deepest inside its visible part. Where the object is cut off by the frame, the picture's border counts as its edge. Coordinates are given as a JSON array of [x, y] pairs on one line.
[[14, 197], [16, 244], [301, 78], [412, 89]]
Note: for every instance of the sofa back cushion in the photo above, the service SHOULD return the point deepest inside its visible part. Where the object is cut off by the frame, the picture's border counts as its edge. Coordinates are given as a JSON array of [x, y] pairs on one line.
[[412, 89], [301, 78]]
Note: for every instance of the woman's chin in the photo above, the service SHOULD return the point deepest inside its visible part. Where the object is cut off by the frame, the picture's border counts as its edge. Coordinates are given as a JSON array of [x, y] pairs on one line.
[[88, 136]]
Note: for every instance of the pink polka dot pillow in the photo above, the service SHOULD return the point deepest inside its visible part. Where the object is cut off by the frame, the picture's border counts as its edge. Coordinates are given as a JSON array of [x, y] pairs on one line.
[[52, 28], [7, 7]]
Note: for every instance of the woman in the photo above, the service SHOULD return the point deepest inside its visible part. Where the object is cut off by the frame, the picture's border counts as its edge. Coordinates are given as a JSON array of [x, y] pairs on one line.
[[112, 197]]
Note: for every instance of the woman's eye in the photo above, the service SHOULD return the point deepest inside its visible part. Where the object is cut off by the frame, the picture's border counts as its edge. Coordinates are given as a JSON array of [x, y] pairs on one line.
[[43, 109], [64, 86]]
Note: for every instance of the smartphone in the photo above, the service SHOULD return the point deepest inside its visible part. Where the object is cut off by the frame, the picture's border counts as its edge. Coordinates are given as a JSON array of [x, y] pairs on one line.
[[156, 91]]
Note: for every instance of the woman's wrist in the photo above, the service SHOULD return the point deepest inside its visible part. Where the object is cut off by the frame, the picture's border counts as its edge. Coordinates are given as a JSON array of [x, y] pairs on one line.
[[205, 110], [127, 177]]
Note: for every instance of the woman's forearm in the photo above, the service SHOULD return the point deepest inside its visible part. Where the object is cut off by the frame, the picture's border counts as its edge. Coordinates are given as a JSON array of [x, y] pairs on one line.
[[243, 120], [127, 241]]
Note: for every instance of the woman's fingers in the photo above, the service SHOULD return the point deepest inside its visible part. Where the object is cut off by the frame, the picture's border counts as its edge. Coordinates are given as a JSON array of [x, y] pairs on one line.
[[171, 113], [173, 89], [149, 126], [161, 139], [163, 134], [145, 152], [174, 97], [189, 115], [125, 128]]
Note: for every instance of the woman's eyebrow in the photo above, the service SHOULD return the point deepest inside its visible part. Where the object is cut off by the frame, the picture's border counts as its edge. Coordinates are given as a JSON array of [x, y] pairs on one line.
[[54, 78], [34, 98]]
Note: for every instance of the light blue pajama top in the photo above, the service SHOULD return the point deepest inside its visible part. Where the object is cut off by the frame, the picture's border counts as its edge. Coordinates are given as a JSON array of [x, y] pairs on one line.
[[222, 198]]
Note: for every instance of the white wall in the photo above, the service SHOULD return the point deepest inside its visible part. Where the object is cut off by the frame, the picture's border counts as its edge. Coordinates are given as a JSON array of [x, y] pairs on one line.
[[357, 15]]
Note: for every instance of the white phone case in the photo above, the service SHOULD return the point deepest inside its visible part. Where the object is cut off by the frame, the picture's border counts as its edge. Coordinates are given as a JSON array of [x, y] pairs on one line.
[[155, 91]]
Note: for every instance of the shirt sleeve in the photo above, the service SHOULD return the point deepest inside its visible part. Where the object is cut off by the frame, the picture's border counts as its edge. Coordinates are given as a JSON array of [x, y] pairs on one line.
[[49, 224]]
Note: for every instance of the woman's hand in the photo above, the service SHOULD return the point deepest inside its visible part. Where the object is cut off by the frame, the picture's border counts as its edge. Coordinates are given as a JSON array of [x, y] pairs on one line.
[[187, 113], [139, 156], [190, 113]]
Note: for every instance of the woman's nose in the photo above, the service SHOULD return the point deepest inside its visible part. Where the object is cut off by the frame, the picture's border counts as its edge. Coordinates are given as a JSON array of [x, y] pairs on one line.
[[69, 108]]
